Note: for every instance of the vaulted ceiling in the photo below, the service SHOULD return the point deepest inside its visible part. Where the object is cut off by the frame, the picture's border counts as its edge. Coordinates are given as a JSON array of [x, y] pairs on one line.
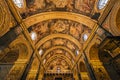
[[58, 29]]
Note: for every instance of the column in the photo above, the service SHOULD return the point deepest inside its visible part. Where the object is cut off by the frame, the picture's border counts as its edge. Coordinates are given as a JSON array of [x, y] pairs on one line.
[[84, 76], [41, 73], [32, 74], [75, 74]]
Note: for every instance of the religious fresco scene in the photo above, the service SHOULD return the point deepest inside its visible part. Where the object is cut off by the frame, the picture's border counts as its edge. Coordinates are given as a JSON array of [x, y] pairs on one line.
[[59, 39], [77, 6], [59, 26]]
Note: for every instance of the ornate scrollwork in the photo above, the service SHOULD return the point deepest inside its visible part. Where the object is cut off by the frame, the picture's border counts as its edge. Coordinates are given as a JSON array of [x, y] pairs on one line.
[[6, 20], [78, 6], [1, 15]]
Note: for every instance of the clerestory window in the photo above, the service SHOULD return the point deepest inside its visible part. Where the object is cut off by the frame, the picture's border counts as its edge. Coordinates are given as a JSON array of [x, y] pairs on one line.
[[18, 3], [102, 3]]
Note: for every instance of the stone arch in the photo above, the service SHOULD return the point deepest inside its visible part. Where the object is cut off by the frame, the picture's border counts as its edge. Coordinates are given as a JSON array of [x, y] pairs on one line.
[[22, 46], [55, 58], [5, 18], [93, 52], [104, 56], [82, 67], [59, 15], [90, 53], [114, 20], [56, 47], [110, 64], [72, 39], [10, 57], [95, 63], [59, 56], [83, 71], [24, 51]]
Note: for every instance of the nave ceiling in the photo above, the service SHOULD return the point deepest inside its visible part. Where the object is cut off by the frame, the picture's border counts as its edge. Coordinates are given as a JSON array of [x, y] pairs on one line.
[[56, 35], [58, 28]]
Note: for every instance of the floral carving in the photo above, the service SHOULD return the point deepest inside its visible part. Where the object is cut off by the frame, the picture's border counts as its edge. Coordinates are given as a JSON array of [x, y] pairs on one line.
[[58, 41], [59, 26], [59, 3]]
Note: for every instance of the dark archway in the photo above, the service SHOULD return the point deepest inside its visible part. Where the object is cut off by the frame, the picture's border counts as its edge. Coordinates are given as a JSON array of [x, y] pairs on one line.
[[94, 52], [82, 67], [10, 57], [6, 63], [110, 64]]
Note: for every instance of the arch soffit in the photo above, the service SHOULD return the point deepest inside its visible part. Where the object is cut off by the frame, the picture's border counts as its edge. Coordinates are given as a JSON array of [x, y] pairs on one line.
[[69, 62], [59, 15], [21, 40], [83, 65], [80, 62], [112, 20], [92, 43], [96, 56], [58, 47], [75, 41]]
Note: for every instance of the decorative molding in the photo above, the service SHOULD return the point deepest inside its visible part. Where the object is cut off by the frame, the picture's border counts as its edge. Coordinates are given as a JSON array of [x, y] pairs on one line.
[[6, 20], [59, 15]]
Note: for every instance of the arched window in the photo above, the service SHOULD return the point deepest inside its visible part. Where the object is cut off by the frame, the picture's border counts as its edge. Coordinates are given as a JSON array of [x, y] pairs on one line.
[[85, 37], [18, 3], [33, 35], [82, 67], [40, 52], [102, 3]]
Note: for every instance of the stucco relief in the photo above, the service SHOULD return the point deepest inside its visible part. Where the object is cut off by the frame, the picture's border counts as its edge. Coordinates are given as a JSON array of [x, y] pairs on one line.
[[78, 6], [16, 72], [58, 65], [59, 42], [6, 20], [59, 26], [47, 45], [84, 5], [59, 3], [72, 28]]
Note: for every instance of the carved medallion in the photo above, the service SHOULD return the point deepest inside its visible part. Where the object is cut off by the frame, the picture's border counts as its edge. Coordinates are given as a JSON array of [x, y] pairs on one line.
[[59, 26]]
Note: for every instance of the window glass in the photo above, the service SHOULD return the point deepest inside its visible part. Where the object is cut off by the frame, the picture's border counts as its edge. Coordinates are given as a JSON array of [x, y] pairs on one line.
[[85, 37], [40, 51], [33, 35], [102, 3], [19, 3]]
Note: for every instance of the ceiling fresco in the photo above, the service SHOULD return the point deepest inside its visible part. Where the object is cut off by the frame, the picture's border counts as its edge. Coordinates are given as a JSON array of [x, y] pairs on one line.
[[59, 45], [59, 42], [77, 6], [58, 32], [57, 36], [57, 26], [58, 65]]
